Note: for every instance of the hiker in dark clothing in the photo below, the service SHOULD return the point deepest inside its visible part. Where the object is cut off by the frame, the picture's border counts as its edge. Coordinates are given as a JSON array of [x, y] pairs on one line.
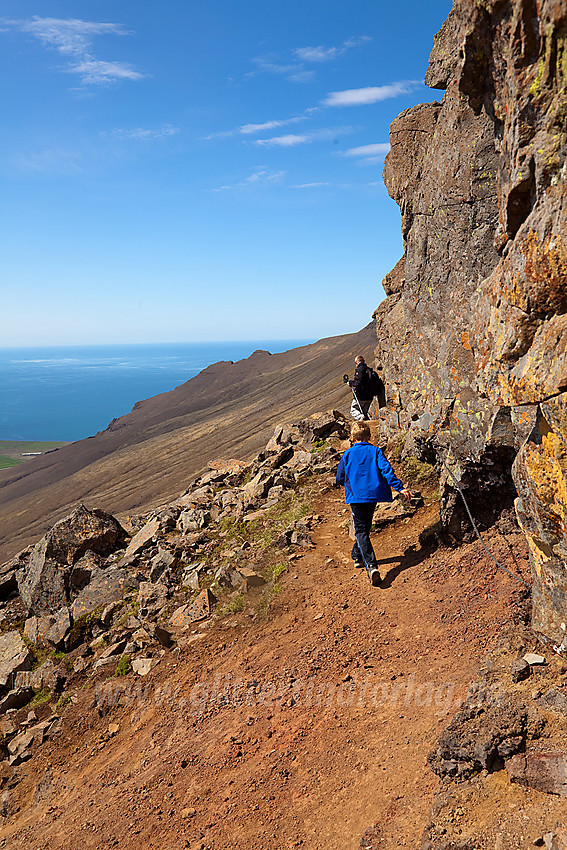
[[362, 390], [367, 478]]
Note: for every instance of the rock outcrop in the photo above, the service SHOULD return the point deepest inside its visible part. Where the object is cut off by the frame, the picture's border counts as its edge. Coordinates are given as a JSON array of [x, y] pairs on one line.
[[473, 334]]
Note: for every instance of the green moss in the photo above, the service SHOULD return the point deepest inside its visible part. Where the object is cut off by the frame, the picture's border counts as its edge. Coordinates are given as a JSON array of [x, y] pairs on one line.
[[62, 703], [124, 666], [319, 446], [235, 605], [274, 571], [44, 695], [395, 447], [416, 472]]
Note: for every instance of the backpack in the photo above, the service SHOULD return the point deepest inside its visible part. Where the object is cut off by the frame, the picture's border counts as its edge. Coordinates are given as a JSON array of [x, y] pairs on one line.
[[376, 386]]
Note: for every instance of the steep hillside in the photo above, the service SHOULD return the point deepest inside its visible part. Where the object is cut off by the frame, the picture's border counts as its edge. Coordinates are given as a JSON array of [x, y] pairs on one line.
[[230, 680], [144, 458]]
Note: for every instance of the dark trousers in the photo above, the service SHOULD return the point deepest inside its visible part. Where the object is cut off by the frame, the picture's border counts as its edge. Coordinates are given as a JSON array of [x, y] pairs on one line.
[[362, 550]]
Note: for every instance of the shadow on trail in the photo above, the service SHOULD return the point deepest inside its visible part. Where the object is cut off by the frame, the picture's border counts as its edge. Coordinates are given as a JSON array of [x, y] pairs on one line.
[[411, 558]]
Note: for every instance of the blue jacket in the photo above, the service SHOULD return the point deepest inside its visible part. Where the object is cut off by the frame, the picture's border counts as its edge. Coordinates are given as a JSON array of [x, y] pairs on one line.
[[366, 474]]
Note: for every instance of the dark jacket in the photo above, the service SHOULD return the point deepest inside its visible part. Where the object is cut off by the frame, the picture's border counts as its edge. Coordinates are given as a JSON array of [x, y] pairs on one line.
[[360, 383], [366, 474]]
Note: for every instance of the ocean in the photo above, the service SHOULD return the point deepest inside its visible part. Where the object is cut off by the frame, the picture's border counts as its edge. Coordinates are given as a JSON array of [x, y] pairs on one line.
[[68, 393]]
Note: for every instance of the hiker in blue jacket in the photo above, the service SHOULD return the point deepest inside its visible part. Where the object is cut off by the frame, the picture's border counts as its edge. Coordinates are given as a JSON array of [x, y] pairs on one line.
[[367, 478]]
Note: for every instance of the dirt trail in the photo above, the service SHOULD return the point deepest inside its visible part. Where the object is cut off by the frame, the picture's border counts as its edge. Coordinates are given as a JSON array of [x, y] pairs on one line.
[[308, 728]]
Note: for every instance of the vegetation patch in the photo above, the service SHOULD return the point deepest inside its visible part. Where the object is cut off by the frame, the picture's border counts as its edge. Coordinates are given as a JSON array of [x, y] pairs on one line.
[[234, 606], [7, 462], [417, 472], [44, 695], [63, 702], [124, 666]]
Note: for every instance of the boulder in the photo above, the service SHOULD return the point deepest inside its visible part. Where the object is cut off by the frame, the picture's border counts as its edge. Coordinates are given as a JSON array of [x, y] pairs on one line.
[[199, 609], [258, 486], [140, 540], [143, 666], [107, 587], [200, 496], [151, 599], [162, 563], [520, 670], [49, 675], [16, 698], [480, 737], [193, 519], [44, 579], [8, 580], [190, 579], [543, 771], [554, 700], [14, 656], [251, 579]]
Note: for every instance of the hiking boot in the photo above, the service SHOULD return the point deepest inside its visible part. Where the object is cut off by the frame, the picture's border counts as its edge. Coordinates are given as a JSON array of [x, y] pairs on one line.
[[374, 575]]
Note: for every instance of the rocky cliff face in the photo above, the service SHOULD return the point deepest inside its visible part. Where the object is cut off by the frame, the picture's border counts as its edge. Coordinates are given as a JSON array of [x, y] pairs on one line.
[[473, 333]]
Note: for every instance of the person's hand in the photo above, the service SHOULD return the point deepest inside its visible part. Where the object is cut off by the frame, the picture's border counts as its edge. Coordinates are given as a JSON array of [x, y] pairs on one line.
[[406, 495], [345, 379]]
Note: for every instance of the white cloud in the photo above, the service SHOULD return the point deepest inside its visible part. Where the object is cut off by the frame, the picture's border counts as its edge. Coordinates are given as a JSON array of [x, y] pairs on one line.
[[258, 177], [310, 185], [301, 76], [251, 129], [369, 94], [290, 140], [284, 141], [369, 154], [248, 129], [268, 67], [72, 38], [95, 71], [315, 54], [296, 72], [143, 134], [326, 54]]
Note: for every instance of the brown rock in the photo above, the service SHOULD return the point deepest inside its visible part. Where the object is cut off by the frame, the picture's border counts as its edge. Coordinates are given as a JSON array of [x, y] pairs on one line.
[[14, 656], [543, 771], [44, 577], [139, 541]]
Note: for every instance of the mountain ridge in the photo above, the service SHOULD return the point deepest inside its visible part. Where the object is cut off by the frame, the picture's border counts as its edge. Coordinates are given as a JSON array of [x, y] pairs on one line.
[[151, 453]]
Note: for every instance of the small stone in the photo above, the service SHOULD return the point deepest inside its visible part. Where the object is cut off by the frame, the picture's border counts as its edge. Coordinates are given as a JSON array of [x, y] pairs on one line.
[[80, 665], [520, 670], [533, 658], [164, 636], [113, 729], [143, 666], [188, 813], [251, 578]]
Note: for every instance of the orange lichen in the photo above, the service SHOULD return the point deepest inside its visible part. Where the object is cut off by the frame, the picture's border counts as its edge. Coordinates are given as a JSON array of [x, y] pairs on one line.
[[465, 339], [546, 266]]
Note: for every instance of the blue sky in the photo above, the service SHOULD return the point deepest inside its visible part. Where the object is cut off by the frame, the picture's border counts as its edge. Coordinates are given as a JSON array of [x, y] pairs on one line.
[[191, 171]]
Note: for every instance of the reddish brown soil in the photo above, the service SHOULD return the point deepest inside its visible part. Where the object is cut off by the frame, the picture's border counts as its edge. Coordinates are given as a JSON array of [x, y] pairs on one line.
[[283, 772]]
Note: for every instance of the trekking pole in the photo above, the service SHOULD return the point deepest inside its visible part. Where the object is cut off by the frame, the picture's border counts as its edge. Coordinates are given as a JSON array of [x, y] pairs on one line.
[[358, 404]]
